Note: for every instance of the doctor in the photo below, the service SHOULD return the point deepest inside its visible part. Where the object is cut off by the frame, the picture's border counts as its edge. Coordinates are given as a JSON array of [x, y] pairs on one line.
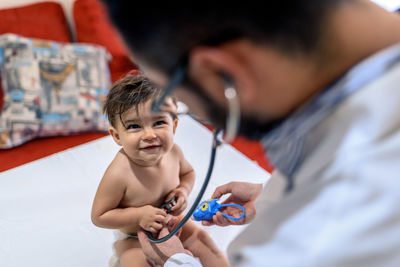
[[318, 82]]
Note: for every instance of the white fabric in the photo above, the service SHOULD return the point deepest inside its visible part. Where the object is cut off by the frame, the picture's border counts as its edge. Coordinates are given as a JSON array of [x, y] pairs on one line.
[[344, 210], [390, 5], [45, 205], [182, 259]]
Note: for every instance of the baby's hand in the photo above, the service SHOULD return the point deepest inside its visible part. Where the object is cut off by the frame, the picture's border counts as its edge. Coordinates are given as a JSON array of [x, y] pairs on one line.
[[180, 195], [152, 219]]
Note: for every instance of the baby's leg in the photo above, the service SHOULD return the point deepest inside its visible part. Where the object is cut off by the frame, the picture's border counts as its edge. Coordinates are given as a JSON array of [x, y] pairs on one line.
[[130, 253], [197, 240]]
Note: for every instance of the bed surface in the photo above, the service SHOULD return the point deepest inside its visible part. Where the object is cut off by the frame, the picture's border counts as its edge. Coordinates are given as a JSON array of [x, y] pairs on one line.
[[45, 205]]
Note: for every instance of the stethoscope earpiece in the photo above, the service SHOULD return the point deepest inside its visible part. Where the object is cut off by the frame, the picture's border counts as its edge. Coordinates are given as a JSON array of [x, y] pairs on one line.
[[233, 114]]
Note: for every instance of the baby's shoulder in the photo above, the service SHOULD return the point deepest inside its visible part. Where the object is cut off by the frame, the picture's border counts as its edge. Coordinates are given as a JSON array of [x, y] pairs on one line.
[[177, 154], [176, 150], [120, 167]]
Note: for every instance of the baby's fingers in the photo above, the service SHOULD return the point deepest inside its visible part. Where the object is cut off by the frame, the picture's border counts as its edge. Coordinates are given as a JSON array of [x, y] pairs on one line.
[[159, 218], [179, 204], [157, 226], [160, 212], [179, 209], [152, 230], [170, 196], [154, 227]]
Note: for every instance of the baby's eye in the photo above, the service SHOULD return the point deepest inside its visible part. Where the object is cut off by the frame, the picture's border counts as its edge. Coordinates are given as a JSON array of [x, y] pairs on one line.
[[158, 123], [133, 126]]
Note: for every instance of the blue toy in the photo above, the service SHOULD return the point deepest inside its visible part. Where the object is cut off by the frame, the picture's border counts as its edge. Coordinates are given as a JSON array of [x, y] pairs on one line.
[[208, 208]]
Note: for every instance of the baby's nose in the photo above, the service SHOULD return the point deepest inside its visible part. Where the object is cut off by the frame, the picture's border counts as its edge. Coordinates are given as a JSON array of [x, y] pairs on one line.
[[148, 134]]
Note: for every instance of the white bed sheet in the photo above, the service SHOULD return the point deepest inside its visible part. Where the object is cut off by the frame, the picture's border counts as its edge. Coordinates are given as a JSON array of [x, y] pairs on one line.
[[45, 205]]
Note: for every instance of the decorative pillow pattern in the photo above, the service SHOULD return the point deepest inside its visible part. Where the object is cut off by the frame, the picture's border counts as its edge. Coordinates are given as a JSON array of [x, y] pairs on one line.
[[50, 88]]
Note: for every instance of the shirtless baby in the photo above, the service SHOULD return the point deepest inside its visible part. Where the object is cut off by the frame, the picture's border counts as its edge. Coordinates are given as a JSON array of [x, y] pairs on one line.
[[148, 170]]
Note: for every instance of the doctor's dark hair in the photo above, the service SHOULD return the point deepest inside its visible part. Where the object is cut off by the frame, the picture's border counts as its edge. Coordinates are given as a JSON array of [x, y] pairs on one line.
[[128, 92], [161, 34]]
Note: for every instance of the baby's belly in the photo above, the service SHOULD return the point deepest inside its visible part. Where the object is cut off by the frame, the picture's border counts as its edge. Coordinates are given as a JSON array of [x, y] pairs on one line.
[[142, 197], [151, 198]]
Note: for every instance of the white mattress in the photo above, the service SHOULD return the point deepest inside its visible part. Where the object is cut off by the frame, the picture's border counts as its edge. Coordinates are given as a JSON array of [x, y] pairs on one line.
[[45, 205]]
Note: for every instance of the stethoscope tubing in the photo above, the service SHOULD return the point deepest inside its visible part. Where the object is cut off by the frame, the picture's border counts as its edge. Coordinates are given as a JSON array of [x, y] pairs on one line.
[[215, 145]]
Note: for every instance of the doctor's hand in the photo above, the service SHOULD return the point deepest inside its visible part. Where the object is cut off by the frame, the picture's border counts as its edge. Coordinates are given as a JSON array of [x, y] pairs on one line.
[[159, 253], [244, 194]]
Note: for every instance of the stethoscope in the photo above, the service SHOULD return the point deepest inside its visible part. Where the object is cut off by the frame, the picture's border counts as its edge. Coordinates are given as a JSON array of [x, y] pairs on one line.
[[232, 126]]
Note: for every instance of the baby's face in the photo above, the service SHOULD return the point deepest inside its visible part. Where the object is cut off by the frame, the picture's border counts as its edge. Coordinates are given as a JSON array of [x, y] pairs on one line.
[[145, 136]]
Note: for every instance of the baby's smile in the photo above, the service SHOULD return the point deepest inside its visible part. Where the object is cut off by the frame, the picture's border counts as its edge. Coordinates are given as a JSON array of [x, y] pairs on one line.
[[151, 149]]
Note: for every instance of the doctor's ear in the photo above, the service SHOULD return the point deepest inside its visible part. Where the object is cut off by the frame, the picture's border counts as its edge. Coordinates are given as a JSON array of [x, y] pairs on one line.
[[207, 64]]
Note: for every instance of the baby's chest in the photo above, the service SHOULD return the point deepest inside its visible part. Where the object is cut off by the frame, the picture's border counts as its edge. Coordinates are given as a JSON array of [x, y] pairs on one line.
[[152, 187]]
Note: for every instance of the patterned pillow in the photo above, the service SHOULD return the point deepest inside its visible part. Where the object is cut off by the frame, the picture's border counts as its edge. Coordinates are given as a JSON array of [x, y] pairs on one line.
[[50, 88]]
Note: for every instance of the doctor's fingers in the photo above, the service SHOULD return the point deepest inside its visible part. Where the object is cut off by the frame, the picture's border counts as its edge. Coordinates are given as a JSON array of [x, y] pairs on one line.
[[172, 223], [222, 190], [229, 200], [151, 262], [207, 223], [148, 248], [220, 220]]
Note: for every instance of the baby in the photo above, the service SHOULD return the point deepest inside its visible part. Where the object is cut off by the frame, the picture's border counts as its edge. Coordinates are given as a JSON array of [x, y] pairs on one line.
[[148, 171]]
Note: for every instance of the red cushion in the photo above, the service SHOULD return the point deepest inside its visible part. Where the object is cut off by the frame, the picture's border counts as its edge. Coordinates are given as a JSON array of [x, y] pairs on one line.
[[93, 25], [252, 149], [43, 20]]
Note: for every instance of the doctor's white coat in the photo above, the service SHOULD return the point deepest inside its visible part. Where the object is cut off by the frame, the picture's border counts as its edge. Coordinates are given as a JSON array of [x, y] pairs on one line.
[[345, 206]]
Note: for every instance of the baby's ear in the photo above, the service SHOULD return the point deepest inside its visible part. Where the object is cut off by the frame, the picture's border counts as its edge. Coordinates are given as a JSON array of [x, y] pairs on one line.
[[175, 124], [114, 133]]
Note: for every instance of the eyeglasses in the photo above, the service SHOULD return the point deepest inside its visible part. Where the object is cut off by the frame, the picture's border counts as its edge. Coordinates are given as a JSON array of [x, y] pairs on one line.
[[233, 117]]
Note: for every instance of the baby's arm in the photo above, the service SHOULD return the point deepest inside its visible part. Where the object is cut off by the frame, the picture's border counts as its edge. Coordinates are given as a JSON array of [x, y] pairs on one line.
[[186, 177], [107, 213]]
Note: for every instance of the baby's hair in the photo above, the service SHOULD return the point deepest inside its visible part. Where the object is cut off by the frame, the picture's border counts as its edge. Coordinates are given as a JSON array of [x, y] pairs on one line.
[[129, 92]]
